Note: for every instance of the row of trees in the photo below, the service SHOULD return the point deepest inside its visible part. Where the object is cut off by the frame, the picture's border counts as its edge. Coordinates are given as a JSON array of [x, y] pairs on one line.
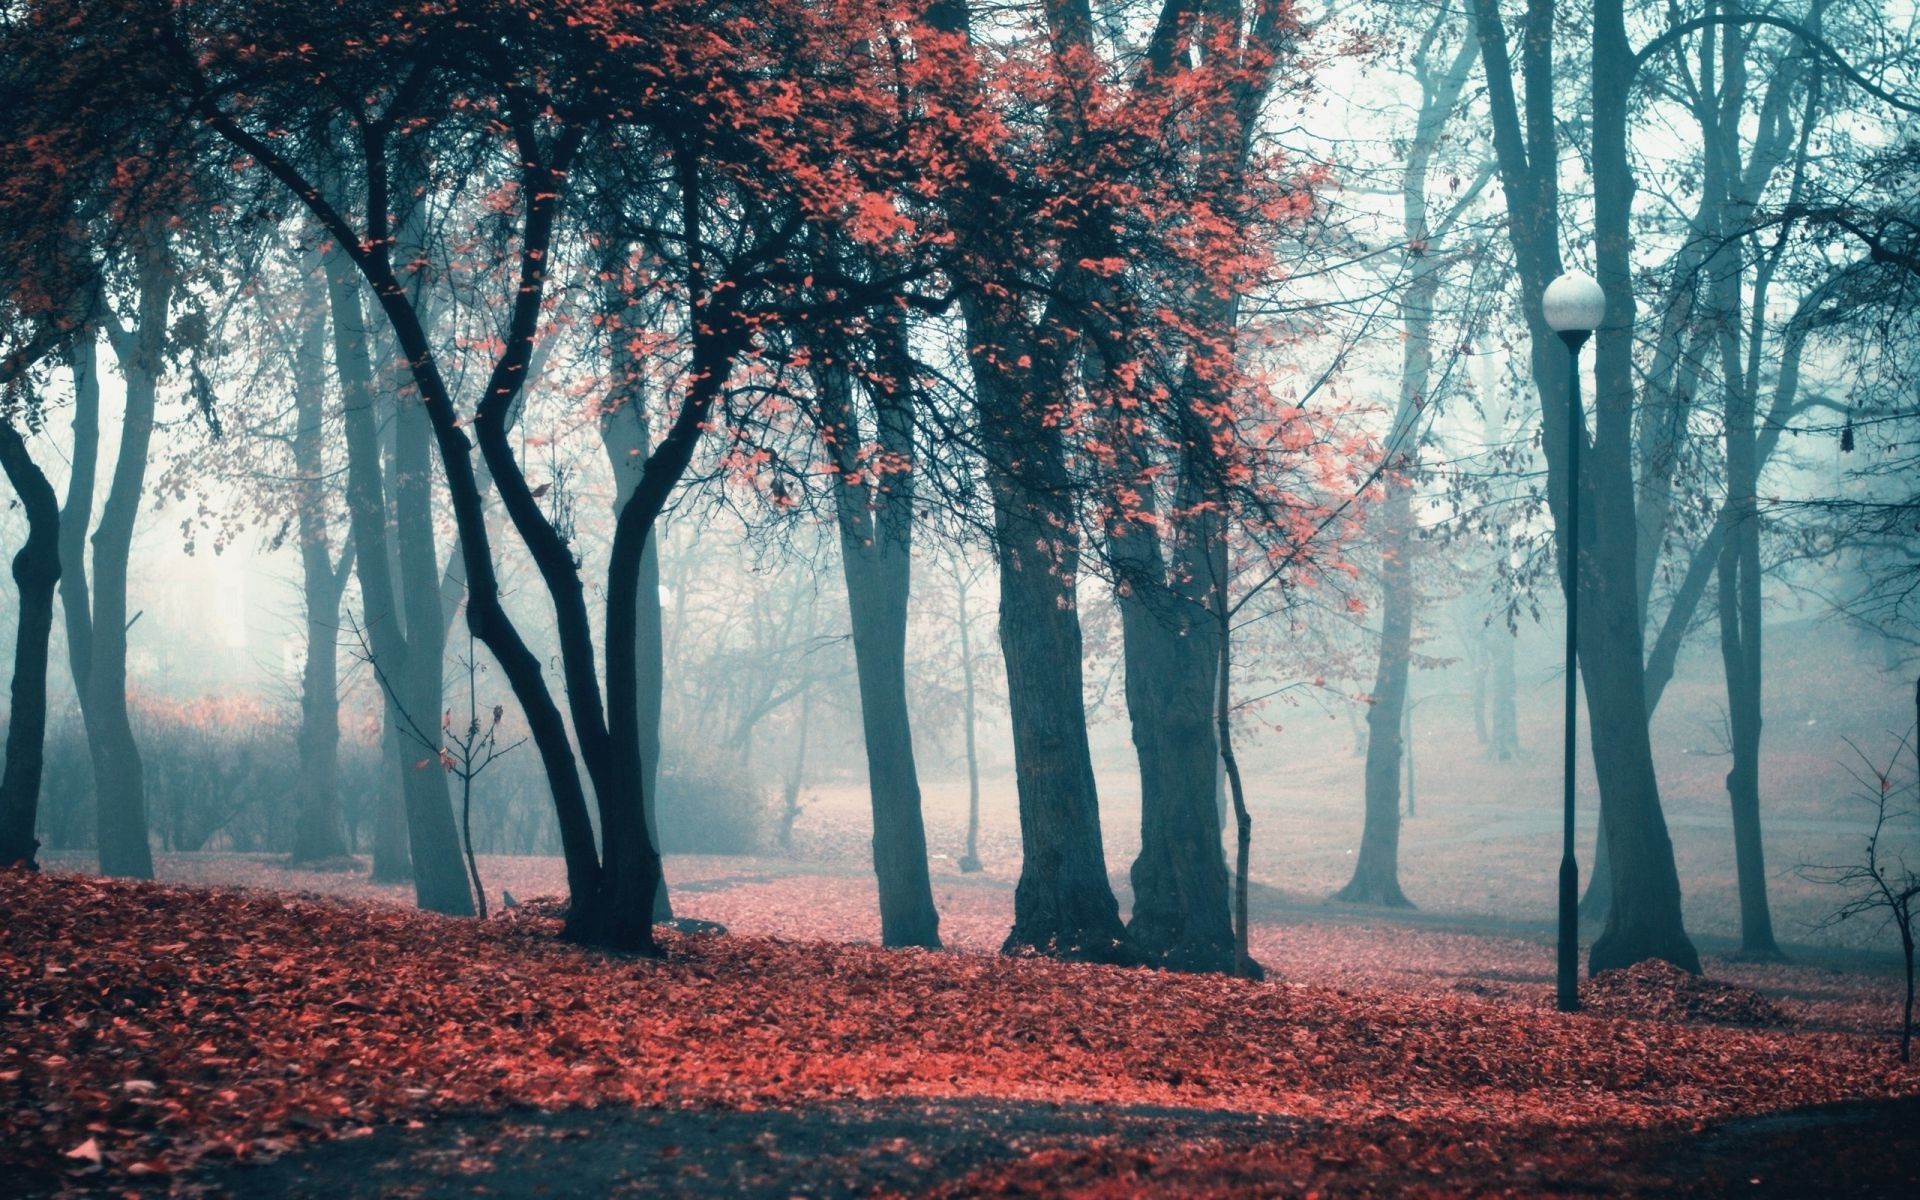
[[1036, 277]]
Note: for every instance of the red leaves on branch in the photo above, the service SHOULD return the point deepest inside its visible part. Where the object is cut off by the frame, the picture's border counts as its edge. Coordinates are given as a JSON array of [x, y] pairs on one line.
[[157, 1025]]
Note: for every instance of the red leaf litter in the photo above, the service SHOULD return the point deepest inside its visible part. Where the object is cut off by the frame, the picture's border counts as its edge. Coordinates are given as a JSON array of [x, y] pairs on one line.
[[1663, 992], [144, 1028]]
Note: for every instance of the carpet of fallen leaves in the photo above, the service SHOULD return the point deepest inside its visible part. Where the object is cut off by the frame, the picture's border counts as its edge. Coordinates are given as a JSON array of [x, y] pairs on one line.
[[147, 1027]]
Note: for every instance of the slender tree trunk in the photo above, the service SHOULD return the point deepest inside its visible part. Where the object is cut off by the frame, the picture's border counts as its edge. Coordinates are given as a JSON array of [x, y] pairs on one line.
[[119, 776], [1376, 869], [1645, 921], [875, 517], [36, 571], [1243, 964], [439, 878], [319, 831], [1506, 702], [796, 773], [970, 861], [1739, 567], [76, 515]]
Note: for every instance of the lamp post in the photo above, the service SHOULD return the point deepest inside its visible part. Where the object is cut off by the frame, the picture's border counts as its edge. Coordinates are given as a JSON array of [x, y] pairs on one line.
[[1573, 306]]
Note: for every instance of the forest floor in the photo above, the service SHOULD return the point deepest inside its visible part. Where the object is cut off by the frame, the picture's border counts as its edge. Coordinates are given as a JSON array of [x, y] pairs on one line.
[[247, 1041]]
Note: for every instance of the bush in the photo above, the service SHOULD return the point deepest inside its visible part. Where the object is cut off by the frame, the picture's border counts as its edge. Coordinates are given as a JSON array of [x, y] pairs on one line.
[[706, 808]]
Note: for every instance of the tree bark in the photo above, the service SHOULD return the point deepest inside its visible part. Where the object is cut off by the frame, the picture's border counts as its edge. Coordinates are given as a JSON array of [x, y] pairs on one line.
[[119, 776], [873, 506], [319, 832], [970, 861], [1647, 923], [1063, 905], [392, 858], [36, 571], [1644, 920], [1376, 869], [626, 432], [439, 878]]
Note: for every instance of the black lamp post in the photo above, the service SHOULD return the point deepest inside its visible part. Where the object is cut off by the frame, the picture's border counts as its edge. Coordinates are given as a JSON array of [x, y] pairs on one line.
[[1574, 306]]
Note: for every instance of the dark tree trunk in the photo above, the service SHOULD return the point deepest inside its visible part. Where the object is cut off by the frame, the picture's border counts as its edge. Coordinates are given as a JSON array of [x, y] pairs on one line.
[[439, 878], [1181, 917], [1644, 920], [1063, 905], [1170, 649], [36, 571], [1739, 567], [319, 831], [874, 506], [119, 777]]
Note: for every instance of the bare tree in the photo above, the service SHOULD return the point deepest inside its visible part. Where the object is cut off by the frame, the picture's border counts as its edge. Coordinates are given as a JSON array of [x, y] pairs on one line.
[[1881, 882]]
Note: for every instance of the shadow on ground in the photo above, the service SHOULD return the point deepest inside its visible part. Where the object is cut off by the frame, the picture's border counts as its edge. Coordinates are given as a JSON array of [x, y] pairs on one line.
[[1857, 1149]]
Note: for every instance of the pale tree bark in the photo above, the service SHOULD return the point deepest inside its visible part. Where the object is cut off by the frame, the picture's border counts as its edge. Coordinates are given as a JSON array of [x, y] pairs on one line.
[[873, 507], [439, 877], [119, 776], [1376, 870], [970, 861], [319, 830], [1611, 648]]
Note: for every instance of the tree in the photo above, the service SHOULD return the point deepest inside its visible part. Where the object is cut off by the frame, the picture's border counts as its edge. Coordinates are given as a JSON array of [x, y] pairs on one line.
[[1645, 922], [1881, 881], [721, 112], [873, 508], [1442, 80]]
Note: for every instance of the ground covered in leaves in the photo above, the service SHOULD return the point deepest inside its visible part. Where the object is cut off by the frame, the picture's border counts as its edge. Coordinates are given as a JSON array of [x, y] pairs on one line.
[[153, 1033]]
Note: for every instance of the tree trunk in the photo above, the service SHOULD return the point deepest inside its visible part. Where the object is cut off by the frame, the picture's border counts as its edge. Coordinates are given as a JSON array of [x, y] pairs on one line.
[[392, 859], [626, 433], [1644, 920], [970, 861], [439, 878], [1181, 916], [873, 503], [36, 571], [1063, 905], [319, 831], [1505, 703], [1169, 645], [796, 773], [1739, 565], [119, 777], [1376, 870]]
